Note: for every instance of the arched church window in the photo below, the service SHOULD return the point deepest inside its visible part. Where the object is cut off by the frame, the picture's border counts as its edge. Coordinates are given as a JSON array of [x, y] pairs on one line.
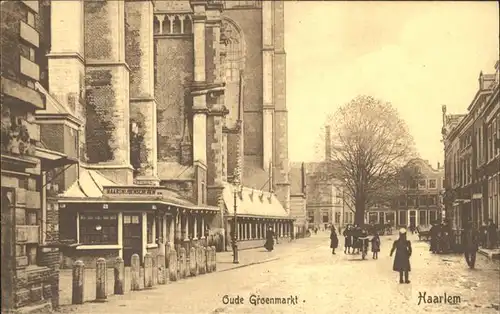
[[188, 25], [156, 25], [177, 25], [234, 54]]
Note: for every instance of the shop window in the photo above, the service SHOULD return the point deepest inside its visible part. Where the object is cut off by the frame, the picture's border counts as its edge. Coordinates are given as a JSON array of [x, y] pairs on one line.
[[390, 218], [150, 228], [432, 216], [96, 228], [422, 219], [372, 218]]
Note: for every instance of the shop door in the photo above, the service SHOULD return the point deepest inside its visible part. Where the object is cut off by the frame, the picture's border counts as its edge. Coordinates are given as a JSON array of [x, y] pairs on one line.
[[132, 237]]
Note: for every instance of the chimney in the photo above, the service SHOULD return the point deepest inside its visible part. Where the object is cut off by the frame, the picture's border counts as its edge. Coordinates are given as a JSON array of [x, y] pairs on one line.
[[328, 144]]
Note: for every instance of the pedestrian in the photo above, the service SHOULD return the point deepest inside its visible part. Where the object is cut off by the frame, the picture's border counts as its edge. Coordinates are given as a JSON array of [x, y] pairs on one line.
[[433, 232], [347, 239], [375, 245], [491, 235], [483, 235], [334, 240], [402, 246], [356, 232], [471, 240], [270, 235]]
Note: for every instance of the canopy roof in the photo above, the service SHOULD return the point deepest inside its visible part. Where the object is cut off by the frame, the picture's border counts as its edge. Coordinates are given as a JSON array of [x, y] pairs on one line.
[[253, 203]]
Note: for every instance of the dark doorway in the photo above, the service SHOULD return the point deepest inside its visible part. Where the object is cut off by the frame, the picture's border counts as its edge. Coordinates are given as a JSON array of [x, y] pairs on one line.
[[132, 237]]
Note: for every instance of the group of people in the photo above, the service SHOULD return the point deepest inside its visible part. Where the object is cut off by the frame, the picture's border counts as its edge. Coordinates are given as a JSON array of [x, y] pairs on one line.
[[402, 247], [354, 237]]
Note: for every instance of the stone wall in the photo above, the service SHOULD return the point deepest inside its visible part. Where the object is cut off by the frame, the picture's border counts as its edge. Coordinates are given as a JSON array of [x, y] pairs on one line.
[[174, 74]]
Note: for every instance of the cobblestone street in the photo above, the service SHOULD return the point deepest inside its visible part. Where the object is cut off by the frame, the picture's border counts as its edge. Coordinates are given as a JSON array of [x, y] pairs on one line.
[[323, 283]]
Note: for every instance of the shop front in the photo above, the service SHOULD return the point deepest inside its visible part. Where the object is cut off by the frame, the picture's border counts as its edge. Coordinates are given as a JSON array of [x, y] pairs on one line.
[[255, 212], [101, 219]]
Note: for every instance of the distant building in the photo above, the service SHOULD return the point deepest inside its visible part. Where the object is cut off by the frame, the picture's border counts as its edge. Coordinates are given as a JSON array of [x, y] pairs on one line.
[[472, 158], [419, 201], [326, 201], [298, 208]]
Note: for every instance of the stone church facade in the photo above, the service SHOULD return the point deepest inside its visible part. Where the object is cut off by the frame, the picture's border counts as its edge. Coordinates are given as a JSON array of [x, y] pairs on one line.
[[175, 106]]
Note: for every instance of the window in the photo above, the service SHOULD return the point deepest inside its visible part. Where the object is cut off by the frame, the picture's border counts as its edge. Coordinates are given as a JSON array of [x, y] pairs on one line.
[[389, 217], [310, 216], [402, 202], [413, 184], [337, 217], [32, 54], [325, 217], [431, 200], [97, 228], [30, 19], [402, 218], [422, 184], [373, 218], [432, 216], [432, 184], [412, 201], [234, 52], [150, 228], [422, 219]]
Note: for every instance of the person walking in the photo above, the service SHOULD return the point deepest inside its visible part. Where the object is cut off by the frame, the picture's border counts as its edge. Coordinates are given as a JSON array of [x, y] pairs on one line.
[[270, 235], [375, 245], [334, 240], [402, 246], [471, 244], [347, 239], [434, 237]]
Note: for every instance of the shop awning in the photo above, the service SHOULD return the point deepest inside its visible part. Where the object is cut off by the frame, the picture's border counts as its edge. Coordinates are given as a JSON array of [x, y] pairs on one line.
[[51, 159], [253, 203], [91, 187]]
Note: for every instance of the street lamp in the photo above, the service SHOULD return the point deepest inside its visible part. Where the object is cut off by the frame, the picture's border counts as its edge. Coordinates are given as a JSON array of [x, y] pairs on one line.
[[235, 224]]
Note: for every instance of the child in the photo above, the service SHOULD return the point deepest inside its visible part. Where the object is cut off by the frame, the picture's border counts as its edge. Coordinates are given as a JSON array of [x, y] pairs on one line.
[[375, 245]]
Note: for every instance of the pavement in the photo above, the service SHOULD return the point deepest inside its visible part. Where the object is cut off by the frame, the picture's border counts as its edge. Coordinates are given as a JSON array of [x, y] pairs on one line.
[[306, 278]]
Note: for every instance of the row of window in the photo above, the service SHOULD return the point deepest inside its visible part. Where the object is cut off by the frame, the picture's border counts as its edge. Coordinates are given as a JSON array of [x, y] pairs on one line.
[[423, 184], [98, 228], [428, 200], [325, 218]]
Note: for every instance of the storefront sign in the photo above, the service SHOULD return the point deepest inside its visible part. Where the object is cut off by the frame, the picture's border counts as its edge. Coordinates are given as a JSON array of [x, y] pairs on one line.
[[135, 191]]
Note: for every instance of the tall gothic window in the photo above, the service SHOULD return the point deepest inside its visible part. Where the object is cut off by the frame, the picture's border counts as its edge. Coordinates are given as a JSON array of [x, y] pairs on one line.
[[233, 61]]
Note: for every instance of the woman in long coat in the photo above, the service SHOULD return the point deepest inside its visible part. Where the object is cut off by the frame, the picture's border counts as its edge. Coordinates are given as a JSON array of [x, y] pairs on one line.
[[347, 239], [334, 240], [269, 245], [402, 246]]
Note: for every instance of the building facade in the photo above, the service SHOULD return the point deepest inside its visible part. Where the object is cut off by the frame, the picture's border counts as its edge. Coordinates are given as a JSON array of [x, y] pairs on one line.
[[174, 110], [30, 278], [419, 200], [471, 144]]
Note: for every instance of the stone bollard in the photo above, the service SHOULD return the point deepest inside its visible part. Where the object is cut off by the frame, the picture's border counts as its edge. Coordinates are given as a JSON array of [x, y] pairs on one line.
[[183, 269], [135, 270], [154, 264], [208, 259], [101, 272], [119, 270], [214, 258], [148, 271], [198, 260], [78, 280], [160, 264], [192, 262], [204, 260], [172, 265]]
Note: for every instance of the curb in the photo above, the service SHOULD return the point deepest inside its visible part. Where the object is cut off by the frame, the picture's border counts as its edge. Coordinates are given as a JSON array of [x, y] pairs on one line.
[[250, 264]]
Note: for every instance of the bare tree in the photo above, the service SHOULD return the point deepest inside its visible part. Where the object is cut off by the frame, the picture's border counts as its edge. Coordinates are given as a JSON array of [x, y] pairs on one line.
[[370, 144]]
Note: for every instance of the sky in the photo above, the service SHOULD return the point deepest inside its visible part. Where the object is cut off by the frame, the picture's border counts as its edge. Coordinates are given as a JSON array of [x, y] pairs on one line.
[[418, 56]]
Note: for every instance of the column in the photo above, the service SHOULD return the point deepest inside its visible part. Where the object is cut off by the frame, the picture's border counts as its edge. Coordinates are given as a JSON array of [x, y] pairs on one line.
[[186, 227], [139, 16], [195, 231], [120, 234], [144, 233], [199, 100], [160, 18], [173, 229], [263, 229], [267, 82], [238, 231], [249, 231], [202, 227]]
